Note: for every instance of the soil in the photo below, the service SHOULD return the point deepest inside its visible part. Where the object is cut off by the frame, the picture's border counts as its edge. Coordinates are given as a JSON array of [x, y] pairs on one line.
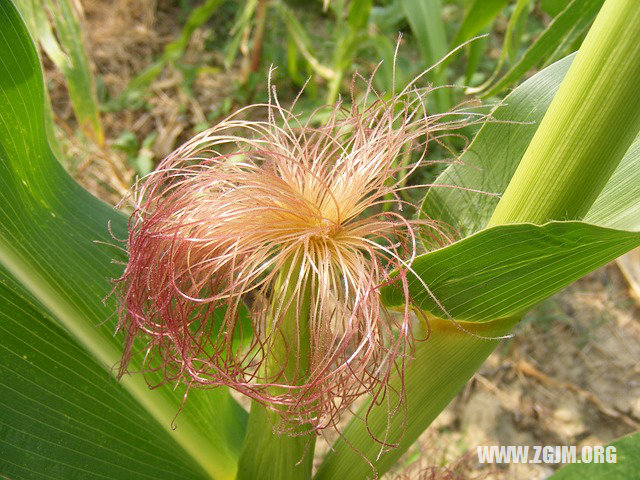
[[569, 376]]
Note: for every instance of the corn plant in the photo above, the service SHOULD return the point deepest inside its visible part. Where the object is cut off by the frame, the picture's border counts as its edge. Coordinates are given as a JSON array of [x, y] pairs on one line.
[[360, 25], [570, 20], [312, 302]]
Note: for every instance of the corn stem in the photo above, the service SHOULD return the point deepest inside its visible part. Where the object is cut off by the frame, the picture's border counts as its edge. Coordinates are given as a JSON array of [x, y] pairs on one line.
[[590, 124], [268, 455]]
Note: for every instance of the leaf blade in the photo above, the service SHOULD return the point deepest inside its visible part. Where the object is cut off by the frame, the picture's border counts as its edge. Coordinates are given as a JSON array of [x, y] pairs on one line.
[[492, 157], [60, 400], [424, 18], [494, 154], [627, 464], [575, 14], [54, 238], [427, 392], [517, 266], [477, 17]]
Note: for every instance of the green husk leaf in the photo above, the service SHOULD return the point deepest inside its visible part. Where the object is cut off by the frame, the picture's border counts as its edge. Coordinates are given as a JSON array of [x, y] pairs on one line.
[[265, 454], [492, 157], [587, 129]]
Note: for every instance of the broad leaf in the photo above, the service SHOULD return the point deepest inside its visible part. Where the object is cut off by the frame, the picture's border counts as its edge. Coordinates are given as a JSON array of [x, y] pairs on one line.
[[54, 240], [506, 270], [491, 159], [559, 34], [62, 415], [618, 206], [493, 156]]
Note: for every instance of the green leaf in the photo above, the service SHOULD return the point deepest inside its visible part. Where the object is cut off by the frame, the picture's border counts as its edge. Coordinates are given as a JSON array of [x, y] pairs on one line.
[[385, 51], [512, 37], [40, 29], [35, 16], [198, 17], [475, 54], [517, 27], [388, 17], [55, 241], [172, 52], [301, 39], [617, 205], [443, 364], [505, 270], [493, 156], [553, 7], [425, 19], [479, 14], [243, 17], [351, 37], [575, 17], [358, 16], [591, 123], [68, 54], [62, 413], [439, 369], [626, 466]]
